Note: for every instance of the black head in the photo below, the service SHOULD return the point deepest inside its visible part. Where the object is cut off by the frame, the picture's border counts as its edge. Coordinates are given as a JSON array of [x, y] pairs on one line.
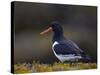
[[56, 26], [57, 29]]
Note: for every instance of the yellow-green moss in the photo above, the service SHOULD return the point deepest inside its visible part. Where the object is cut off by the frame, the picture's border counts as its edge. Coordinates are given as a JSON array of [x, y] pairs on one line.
[[56, 66]]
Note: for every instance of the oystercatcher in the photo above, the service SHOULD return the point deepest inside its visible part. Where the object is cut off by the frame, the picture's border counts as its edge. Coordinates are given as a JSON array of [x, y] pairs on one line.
[[63, 48]]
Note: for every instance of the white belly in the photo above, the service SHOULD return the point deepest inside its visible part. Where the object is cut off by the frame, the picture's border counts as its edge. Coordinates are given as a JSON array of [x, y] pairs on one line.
[[62, 58]]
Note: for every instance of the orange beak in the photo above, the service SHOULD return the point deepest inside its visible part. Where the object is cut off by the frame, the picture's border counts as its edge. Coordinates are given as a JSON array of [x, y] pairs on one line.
[[46, 31]]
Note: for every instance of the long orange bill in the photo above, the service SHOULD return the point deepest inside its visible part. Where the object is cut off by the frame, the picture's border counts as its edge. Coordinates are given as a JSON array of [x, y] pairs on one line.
[[46, 31]]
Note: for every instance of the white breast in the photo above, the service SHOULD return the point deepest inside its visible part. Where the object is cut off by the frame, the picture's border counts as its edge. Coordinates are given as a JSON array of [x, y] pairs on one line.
[[55, 43]]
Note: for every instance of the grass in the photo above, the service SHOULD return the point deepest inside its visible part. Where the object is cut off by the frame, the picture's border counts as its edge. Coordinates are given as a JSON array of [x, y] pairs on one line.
[[56, 66]]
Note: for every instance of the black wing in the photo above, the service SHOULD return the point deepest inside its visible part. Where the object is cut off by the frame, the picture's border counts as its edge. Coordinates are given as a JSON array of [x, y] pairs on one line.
[[67, 47], [74, 45]]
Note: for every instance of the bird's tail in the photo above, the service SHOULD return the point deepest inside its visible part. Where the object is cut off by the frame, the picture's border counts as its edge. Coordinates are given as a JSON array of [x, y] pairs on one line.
[[86, 57]]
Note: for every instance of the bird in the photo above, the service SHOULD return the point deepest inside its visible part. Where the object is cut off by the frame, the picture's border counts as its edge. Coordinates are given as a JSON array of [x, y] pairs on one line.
[[63, 48]]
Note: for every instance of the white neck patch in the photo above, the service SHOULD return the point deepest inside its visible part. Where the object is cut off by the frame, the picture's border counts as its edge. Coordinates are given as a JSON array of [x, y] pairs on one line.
[[55, 43]]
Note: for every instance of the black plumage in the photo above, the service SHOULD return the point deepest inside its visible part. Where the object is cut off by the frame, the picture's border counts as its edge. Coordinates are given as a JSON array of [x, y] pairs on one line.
[[64, 48]]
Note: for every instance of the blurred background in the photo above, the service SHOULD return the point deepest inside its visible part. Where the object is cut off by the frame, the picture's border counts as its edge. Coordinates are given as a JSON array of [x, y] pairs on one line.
[[79, 24]]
